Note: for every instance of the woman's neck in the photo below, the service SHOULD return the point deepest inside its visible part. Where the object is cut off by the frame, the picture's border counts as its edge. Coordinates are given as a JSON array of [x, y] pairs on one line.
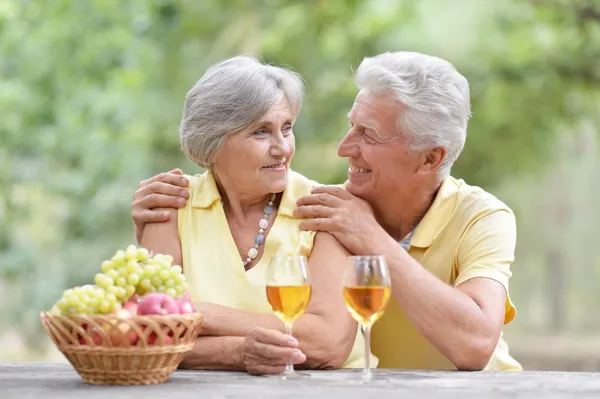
[[240, 203]]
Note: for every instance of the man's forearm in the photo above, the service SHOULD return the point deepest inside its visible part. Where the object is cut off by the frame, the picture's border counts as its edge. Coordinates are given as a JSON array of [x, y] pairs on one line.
[[215, 353], [447, 317], [324, 346]]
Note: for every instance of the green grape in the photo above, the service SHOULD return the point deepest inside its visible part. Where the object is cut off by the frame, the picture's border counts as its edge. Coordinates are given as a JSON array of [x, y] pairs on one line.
[[143, 254], [149, 271], [106, 266], [177, 269], [146, 284], [179, 278], [93, 303], [170, 283], [111, 298], [112, 274], [104, 306], [121, 282], [156, 281], [171, 292], [164, 274], [130, 252], [133, 279], [129, 291], [132, 266], [102, 280], [121, 293], [118, 258]]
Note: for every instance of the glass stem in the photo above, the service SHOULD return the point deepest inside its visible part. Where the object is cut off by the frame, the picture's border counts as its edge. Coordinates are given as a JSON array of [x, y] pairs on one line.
[[289, 367], [366, 330]]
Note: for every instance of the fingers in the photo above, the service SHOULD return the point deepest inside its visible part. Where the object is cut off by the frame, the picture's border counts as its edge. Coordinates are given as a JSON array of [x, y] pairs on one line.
[[161, 188], [149, 216], [318, 224], [313, 211], [267, 351], [158, 201], [274, 355], [325, 199], [174, 177], [335, 191], [273, 337]]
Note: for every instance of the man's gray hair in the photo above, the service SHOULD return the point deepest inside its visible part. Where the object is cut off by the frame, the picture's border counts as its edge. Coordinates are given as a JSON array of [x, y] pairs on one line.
[[435, 99], [230, 96]]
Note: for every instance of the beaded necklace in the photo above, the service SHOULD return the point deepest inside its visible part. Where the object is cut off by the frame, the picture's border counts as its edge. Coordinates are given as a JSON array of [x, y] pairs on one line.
[[263, 223]]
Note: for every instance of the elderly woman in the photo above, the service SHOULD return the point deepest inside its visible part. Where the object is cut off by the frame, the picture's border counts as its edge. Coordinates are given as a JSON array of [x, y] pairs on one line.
[[238, 124]]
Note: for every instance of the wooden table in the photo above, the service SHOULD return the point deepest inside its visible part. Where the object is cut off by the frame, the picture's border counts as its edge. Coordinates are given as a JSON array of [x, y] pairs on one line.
[[58, 380]]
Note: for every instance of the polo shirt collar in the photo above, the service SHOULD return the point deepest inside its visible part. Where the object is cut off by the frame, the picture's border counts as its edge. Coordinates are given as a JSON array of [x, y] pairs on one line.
[[205, 195], [438, 215]]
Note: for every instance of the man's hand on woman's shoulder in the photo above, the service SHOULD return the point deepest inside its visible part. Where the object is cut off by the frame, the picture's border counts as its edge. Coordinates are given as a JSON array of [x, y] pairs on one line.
[[164, 190]]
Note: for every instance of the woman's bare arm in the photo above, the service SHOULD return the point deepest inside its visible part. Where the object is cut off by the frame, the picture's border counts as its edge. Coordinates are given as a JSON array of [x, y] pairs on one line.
[[326, 332]]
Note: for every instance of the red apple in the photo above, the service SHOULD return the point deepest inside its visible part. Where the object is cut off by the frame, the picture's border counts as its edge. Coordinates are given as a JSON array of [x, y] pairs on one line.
[[185, 306], [96, 337], [157, 303], [153, 337], [127, 335], [131, 307]]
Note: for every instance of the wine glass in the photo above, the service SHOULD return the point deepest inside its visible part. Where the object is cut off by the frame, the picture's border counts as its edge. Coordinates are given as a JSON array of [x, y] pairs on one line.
[[288, 292], [367, 289]]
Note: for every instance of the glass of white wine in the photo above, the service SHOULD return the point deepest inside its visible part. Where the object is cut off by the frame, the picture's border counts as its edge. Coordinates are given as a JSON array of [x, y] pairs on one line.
[[367, 289], [288, 292]]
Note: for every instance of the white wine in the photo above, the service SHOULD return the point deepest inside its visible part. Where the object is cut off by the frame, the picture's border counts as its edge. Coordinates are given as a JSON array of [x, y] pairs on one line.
[[289, 301], [366, 303]]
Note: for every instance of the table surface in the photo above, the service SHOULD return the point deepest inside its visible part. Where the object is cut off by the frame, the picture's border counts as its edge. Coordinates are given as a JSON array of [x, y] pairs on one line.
[[59, 380]]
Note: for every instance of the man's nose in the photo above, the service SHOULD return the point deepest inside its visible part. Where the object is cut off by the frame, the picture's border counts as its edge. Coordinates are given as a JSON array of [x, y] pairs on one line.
[[348, 147]]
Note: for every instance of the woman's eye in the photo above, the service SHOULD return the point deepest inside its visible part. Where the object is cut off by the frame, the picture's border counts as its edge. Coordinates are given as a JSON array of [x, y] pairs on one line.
[[260, 132], [286, 129]]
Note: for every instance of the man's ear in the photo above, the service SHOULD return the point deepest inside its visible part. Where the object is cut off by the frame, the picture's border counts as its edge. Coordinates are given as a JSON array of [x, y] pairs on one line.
[[432, 159]]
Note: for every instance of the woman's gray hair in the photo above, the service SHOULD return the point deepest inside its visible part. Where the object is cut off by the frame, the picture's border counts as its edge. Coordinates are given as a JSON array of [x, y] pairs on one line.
[[230, 96], [435, 99]]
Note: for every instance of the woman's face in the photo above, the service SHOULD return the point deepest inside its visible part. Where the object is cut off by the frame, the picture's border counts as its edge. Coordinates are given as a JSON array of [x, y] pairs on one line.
[[256, 160]]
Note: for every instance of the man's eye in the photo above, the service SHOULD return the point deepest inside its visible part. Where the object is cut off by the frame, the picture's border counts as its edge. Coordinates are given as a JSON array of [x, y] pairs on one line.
[[368, 139]]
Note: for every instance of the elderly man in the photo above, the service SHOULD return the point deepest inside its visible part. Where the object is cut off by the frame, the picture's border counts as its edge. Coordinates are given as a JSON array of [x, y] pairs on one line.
[[449, 246]]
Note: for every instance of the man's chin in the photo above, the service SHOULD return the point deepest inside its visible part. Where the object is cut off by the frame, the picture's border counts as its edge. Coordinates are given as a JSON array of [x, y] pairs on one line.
[[357, 191]]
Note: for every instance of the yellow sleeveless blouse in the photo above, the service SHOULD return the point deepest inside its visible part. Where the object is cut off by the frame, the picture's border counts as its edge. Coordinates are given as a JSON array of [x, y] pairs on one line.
[[211, 261]]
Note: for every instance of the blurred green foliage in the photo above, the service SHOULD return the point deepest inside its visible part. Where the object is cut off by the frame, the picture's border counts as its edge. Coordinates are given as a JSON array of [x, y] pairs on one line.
[[91, 93]]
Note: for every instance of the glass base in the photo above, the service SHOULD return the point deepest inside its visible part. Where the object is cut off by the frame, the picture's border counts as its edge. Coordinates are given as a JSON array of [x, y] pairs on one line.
[[296, 375], [366, 380]]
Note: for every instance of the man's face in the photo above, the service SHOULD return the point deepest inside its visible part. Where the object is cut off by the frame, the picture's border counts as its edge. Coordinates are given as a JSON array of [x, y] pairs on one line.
[[380, 161]]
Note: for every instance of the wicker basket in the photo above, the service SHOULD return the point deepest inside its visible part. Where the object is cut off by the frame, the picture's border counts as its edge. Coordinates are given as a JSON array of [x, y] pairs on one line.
[[141, 350]]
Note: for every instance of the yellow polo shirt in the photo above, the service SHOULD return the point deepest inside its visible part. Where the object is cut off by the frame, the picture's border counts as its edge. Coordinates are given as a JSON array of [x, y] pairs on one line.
[[466, 233], [211, 260]]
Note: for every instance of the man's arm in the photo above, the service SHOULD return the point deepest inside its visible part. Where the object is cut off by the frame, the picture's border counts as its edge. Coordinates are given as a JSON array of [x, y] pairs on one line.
[[464, 322], [325, 332]]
